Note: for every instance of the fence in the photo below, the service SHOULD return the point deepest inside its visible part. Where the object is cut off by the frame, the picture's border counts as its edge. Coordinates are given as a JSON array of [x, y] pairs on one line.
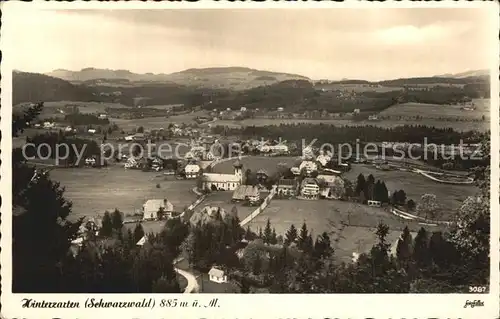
[[259, 209]]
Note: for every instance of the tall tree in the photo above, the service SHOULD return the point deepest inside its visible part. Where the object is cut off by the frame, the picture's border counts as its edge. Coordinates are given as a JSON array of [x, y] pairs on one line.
[[41, 233], [404, 249], [117, 220], [274, 237], [268, 232], [360, 184], [303, 235], [428, 206], [421, 248], [138, 232], [290, 235], [106, 225]]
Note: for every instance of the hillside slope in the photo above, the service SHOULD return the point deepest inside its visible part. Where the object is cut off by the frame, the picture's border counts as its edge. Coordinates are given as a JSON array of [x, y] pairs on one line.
[[34, 87]]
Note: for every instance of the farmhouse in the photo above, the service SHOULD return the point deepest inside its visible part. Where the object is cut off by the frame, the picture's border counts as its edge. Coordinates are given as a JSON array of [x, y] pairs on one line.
[[223, 182], [217, 275], [247, 192], [309, 188], [287, 187], [374, 203], [157, 209], [191, 170], [328, 184], [323, 159]]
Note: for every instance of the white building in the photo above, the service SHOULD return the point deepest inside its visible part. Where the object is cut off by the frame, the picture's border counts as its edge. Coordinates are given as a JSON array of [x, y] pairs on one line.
[[48, 125], [309, 166], [153, 206], [217, 275], [192, 170], [224, 182], [323, 159], [309, 188], [307, 153]]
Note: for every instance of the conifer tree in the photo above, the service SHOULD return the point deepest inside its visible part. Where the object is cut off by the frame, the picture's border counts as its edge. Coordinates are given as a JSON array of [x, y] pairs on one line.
[[117, 220], [274, 237], [107, 226], [268, 232], [360, 184], [138, 232], [290, 235]]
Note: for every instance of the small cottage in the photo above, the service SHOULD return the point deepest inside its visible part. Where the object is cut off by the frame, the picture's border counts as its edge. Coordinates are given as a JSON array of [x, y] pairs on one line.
[[157, 209], [217, 275]]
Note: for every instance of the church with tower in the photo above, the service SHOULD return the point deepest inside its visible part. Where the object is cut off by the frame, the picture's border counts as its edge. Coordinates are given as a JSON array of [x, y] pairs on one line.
[[224, 182]]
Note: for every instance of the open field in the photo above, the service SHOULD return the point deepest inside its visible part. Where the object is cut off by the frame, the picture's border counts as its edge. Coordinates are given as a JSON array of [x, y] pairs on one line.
[[270, 164], [415, 185], [358, 237], [93, 191], [84, 107], [436, 111], [156, 122], [458, 126], [223, 200]]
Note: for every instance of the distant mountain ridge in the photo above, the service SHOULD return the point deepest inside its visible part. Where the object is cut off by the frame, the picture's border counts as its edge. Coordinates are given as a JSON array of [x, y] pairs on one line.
[[467, 74], [216, 77]]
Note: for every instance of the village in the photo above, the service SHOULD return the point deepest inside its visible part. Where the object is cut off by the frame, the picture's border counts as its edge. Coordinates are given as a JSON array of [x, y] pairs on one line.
[[235, 184]]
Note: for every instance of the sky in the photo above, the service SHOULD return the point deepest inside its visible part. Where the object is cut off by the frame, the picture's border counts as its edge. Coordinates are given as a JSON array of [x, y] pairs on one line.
[[371, 44]]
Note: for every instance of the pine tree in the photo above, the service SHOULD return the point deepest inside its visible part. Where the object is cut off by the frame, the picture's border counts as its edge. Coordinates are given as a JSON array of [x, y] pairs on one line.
[[404, 249], [234, 211], [322, 246], [421, 253], [138, 232], [248, 234], [377, 191], [274, 238], [117, 220], [360, 184], [384, 193], [261, 236], [290, 235], [41, 233], [107, 226], [302, 239], [268, 232]]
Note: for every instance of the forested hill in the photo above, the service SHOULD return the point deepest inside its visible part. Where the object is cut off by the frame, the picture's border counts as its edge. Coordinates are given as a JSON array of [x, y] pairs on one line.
[[34, 87], [236, 78]]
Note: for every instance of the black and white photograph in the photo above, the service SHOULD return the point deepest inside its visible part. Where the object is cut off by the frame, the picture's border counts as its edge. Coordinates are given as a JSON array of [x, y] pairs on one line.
[[250, 151]]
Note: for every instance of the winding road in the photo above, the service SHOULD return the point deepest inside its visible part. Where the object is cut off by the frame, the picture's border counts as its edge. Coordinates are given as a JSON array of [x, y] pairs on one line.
[[192, 283]]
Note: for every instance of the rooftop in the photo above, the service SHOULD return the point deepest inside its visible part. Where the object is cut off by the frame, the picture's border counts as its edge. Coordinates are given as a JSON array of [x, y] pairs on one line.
[[220, 178]]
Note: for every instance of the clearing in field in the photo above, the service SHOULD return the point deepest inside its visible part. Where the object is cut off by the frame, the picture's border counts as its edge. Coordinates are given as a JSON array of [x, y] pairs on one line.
[[415, 185], [437, 111], [328, 216], [94, 191], [150, 123], [223, 200]]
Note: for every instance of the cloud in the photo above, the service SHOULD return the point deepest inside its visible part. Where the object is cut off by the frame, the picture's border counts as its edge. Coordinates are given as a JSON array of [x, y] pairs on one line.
[[336, 43]]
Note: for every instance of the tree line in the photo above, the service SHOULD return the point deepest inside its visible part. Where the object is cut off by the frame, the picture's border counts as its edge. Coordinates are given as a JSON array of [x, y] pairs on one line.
[[326, 133]]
